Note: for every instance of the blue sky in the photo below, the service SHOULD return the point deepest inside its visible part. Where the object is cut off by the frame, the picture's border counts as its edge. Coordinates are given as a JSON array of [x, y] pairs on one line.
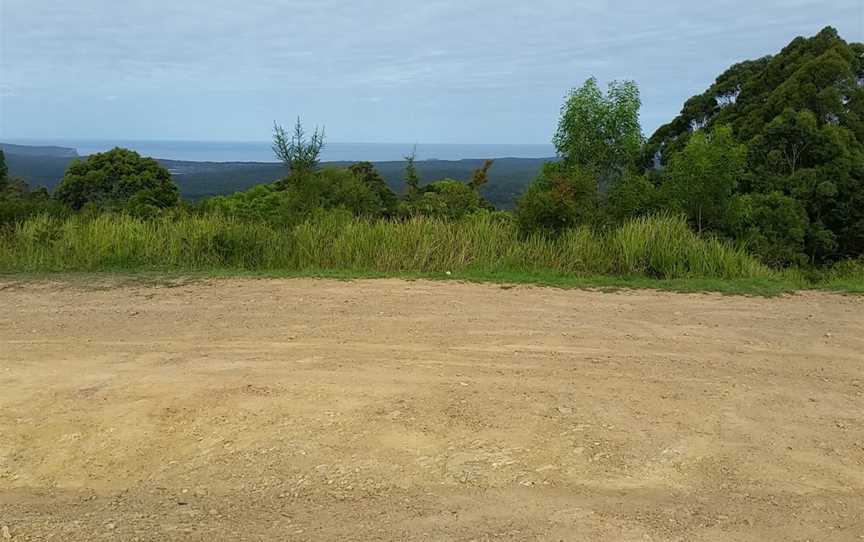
[[450, 71]]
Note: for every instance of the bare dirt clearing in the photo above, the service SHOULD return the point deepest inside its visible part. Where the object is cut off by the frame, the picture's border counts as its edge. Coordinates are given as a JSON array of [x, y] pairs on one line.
[[394, 410]]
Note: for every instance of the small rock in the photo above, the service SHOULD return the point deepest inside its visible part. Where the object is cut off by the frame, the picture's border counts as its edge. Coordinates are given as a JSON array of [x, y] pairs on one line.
[[828, 335], [6, 534], [463, 383], [110, 526], [565, 410]]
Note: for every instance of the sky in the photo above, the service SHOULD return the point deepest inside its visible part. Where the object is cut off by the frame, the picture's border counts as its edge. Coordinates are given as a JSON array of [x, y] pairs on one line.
[[434, 71]]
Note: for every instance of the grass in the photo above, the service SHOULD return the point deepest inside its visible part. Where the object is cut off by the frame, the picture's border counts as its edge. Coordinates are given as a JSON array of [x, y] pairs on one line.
[[659, 252]]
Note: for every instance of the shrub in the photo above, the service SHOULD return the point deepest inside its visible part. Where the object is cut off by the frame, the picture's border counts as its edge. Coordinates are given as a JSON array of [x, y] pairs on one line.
[[294, 199], [772, 226], [368, 175], [632, 196], [259, 203], [18, 202], [444, 199], [561, 197]]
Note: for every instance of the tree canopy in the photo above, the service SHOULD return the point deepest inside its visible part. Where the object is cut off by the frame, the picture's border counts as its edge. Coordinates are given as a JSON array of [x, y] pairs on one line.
[[118, 179], [598, 140], [600, 132], [800, 116]]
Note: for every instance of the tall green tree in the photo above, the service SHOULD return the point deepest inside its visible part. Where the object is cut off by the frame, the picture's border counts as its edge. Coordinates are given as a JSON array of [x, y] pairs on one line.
[[299, 153], [600, 133], [703, 177], [598, 139]]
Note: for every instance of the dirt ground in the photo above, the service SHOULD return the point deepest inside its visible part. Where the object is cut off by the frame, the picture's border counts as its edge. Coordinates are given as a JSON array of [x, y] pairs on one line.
[[397, 410]]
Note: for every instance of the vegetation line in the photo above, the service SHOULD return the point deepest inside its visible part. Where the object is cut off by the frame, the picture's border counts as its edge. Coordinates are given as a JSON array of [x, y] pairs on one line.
[[660, 251]]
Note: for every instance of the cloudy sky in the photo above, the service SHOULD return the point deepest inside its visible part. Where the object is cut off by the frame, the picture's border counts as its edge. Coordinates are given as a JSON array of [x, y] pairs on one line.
[[453, 71]]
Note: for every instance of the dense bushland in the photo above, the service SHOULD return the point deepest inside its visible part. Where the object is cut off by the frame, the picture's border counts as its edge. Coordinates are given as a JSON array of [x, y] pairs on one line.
[[798, 197], [772, 156]]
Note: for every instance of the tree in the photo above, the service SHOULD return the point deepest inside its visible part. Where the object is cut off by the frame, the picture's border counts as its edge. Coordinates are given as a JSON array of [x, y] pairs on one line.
[[787, 138], [598, 139], [366, 172], [412, 178], [818, 74], [481, 175], [703, 177], [119, 179], [299, 154], [800, 114], [600, 133], [773, 226]]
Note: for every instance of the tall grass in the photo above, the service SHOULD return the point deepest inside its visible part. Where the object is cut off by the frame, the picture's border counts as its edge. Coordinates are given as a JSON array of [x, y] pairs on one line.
[[661, 247], [846, 275]]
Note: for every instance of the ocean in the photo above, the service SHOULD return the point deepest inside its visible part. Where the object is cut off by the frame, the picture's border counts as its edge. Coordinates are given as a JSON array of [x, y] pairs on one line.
[[260, 151]]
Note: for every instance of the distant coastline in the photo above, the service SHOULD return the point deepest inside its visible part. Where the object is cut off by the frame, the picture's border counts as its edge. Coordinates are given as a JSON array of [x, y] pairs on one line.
[[260, 151]]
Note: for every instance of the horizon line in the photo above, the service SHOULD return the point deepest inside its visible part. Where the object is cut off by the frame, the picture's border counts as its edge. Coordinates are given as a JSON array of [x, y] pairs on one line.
[[11, 141]]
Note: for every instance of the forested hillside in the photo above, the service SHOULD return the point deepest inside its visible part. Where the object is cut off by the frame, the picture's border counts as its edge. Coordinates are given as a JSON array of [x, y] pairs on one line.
[[800, 117]]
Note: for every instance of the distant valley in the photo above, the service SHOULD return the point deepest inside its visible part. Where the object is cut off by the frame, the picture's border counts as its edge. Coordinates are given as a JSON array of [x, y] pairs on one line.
[[45, 165]]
